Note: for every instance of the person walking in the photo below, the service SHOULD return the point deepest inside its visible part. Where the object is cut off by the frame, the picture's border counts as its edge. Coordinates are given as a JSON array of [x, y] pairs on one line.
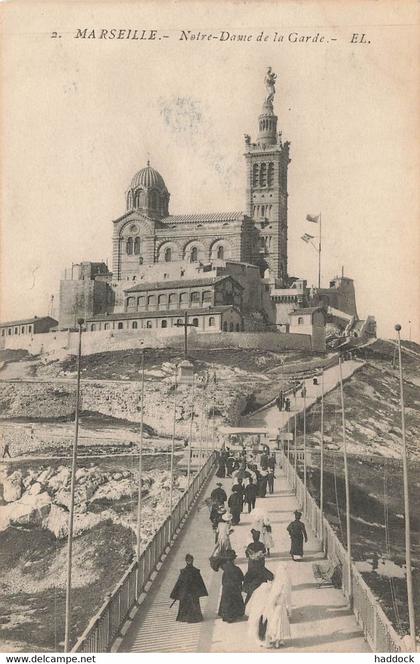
[[231, 607], [240, 489], [235, 504], [257, 573], [270, 481], [297, 532], [262, 484], [278, 609], [250, 494], [256, 609], [218, 495], [187, 590]]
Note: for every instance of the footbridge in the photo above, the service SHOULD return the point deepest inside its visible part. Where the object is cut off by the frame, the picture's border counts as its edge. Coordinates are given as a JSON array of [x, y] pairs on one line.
[[138, 617]]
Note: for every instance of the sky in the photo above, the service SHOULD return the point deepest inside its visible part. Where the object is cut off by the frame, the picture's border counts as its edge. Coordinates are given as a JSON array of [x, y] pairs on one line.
[[81, 116]]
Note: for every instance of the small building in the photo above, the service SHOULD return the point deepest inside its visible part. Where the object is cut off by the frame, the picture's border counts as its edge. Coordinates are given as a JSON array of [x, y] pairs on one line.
[[310, 321], [28, 326], [225, 318], [183, 294]]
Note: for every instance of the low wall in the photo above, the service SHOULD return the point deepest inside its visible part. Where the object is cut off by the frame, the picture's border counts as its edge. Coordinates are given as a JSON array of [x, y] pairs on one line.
[[105, 340]]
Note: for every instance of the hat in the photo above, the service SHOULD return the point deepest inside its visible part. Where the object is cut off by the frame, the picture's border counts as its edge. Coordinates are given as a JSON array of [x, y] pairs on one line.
[[218, 484], [227, 516], [297, 513], [254, 530], [230, 554], [221, 509]]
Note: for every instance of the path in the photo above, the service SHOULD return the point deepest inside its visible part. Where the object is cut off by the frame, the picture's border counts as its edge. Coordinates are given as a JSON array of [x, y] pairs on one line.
[[321, 620], [270, 416]]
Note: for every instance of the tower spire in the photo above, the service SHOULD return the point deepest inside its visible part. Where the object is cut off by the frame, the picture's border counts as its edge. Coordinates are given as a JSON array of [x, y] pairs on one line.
[[267, 121]]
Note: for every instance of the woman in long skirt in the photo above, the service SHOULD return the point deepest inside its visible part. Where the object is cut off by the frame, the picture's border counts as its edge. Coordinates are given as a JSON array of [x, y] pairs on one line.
[[256, 610], [278, 609], [231, 605], [262, 523]]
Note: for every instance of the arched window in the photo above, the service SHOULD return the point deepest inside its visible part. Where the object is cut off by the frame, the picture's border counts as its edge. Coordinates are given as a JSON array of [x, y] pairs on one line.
[[300, 320], [173, 300], [106, 326], [168, 255], [16, 330], [153, 200], [263, 175], [231, 327], [134, 325], [195, 322], [141, 302], [207, 297], [211, 321], [179, 321], [164, 323], [221, 252], [162, 301], [183, 300], [149, 324], [120, 326], [238, 327], [195, 298], [129, 246], [129, 200], [2, 333], [270, 174], [193, 255], [255, 175], [225, 327], [137, 246], [151, 301], [130, 302], [93, 327], [30, 329]]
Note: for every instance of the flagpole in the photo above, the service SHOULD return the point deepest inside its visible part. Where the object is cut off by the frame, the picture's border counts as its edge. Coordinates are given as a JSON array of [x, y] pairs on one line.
[[321, 488], [409, 580]]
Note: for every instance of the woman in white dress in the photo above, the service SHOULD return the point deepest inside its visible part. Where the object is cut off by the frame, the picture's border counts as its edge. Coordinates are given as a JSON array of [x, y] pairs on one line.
[[278, 609], [262, 523], [224, 529], [256, 611]]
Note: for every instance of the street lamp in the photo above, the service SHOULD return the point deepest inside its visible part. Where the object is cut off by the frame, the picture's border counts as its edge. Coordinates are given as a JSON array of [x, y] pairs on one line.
[[72, 490]]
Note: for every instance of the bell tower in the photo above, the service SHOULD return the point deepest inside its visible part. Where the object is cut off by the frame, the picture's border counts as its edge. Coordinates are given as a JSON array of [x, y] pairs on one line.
[[267, 162]]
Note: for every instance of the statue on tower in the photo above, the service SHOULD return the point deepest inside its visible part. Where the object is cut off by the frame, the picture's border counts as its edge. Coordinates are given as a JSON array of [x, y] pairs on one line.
[[270, 85]]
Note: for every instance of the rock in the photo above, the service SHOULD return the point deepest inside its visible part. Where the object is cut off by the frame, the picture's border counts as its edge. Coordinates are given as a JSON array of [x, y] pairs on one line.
[[12, 487], [34, 490], [115, 490], [29, 510], [60, 479], [81, 472], [45, 475], [57, 521], [117, 476]]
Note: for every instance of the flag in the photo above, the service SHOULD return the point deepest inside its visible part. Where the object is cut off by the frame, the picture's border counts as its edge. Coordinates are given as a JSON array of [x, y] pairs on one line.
[[306, 237], [311, 217]]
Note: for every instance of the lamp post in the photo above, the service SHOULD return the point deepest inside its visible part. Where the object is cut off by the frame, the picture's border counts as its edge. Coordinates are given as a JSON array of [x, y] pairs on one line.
[[173, 448], [72, 490], [321, 478], [140, 468], [410, 597], [346, 481]]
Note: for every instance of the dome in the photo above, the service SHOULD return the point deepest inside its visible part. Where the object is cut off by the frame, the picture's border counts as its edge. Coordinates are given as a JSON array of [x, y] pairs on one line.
[[148, 178]]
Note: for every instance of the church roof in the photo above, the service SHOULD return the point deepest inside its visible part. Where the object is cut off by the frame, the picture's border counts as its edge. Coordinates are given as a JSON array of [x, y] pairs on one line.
[[27, 321], [179, 283], [148, 177], [208, 217]]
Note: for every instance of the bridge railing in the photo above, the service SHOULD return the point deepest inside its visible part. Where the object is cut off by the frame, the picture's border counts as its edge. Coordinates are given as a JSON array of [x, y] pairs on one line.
[[377, 628], [105, 626]]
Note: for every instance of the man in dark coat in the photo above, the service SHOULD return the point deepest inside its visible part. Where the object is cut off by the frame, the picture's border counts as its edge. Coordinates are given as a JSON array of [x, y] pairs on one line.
[[235, 503], [218, 495], [270, 481], [297, 532], [257, 572], [240, 489], [231, 605], [188, 590], [250, 494]]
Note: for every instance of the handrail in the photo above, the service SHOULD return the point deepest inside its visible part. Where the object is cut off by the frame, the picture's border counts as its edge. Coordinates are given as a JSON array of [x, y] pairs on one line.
[[105, 626], [377, 628]]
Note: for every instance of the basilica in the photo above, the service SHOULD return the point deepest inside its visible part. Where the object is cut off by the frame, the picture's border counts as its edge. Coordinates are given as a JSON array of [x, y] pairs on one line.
[[226, 271]]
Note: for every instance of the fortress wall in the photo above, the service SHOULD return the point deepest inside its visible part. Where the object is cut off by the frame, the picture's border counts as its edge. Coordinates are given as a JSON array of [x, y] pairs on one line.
[[63, 343]]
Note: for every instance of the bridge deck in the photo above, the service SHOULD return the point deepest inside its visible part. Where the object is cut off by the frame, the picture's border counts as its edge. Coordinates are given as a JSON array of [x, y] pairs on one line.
[[320, 622]]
